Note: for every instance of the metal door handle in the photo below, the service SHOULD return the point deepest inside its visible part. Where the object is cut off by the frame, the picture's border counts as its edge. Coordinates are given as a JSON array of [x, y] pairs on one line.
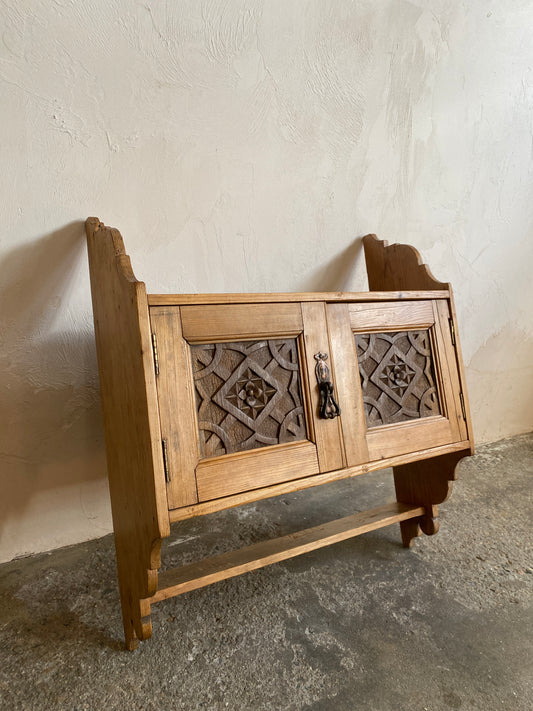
[[328, 408]]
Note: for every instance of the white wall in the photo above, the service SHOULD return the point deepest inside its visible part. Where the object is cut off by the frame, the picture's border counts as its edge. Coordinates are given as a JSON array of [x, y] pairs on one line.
[[242, 145]]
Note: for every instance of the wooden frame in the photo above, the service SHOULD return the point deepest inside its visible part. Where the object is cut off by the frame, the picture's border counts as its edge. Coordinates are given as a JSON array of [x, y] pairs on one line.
[[159, 473]]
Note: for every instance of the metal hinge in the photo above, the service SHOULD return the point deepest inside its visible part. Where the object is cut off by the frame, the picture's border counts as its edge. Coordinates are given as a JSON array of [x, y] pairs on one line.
[[452, 331], [463, 408], [165, 460], [156, 354]]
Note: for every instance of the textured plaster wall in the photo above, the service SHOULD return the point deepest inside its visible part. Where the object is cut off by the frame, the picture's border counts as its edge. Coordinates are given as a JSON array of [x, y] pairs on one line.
[[243, 145]]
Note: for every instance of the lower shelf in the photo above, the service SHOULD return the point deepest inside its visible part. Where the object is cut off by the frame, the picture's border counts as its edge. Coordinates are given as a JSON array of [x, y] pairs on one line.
[[197, 575]]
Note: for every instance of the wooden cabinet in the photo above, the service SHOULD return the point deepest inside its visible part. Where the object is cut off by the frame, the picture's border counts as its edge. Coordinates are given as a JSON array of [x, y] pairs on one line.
[[211, 401]]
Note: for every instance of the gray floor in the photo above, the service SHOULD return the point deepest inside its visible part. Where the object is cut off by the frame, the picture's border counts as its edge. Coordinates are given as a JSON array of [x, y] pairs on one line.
[[363, 624]]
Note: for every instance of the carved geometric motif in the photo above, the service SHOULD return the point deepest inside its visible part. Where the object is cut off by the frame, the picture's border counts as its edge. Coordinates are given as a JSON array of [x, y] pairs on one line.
[[397, 376], [248, 395]]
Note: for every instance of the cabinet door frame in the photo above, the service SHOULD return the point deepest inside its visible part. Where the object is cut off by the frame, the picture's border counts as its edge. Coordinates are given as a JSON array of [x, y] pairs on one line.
[[368, 444], [194, 479]]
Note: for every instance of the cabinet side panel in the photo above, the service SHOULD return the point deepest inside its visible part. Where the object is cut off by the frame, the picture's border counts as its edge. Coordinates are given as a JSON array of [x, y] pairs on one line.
[[397, 267], [131, 420]]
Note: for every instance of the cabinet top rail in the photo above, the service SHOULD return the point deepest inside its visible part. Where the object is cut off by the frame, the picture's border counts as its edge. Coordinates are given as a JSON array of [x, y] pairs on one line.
[[214, 298]]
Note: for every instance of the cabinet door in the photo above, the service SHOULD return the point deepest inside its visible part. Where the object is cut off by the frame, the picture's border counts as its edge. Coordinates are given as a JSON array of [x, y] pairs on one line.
[[238, 404], [397, 378]]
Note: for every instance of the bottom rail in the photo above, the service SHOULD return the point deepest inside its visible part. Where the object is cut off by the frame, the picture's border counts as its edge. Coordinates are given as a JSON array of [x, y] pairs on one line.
[[227, 565]]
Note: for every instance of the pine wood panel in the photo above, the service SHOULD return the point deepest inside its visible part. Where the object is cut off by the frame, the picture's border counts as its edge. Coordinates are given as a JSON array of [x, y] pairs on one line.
[[391, 315], [221, 567], [234, 322], [234, 473], [392, 440], [177, 406]]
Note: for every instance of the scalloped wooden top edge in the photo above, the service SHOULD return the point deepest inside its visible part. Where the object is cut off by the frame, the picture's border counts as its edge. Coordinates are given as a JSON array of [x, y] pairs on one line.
[[397, 267], [390, 268], [97, 232]]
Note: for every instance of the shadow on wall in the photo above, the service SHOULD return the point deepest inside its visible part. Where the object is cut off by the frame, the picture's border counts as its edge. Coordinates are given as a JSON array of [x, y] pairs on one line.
[[337, 274], [51, 438], [52, 454]]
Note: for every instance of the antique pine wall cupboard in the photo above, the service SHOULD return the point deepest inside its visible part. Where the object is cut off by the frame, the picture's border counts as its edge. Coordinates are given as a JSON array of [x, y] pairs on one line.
[[211, 401]]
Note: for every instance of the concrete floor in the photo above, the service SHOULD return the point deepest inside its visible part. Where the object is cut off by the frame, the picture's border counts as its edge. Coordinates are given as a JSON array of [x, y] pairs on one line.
[[364, 624]]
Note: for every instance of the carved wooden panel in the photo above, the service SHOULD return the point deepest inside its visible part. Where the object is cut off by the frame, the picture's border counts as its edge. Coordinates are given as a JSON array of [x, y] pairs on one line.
[[397, 376], [248, 395]]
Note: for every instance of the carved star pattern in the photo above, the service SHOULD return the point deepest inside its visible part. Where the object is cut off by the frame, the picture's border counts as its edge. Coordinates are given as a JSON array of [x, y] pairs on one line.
[[250, 394], [397, 375]]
